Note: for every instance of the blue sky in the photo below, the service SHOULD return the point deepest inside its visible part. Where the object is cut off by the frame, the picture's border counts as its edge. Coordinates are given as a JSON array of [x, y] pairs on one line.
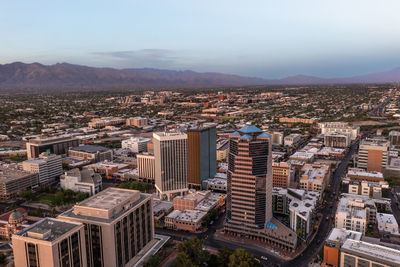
[[266, 38]]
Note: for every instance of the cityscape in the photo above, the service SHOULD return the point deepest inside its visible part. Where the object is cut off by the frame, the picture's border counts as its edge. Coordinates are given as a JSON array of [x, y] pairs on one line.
[[116, 153]]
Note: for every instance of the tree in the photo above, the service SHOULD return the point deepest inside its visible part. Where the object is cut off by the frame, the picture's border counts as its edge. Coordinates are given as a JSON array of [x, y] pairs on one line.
[[193, 248], [3, 259], [152, 261], [241, 258], [223, 256], [27, 195], [183, 260], [80, 196]]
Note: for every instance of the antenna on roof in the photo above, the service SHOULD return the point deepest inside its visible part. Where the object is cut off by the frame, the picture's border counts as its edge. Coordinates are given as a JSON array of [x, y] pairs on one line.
[[165, 124]]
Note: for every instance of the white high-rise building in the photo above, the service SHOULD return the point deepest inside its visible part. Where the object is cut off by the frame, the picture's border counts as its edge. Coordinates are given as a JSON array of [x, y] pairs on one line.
[[48, 166], [170, 153]]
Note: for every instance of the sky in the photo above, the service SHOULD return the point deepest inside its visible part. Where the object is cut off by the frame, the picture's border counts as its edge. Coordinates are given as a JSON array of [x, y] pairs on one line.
[[258, 38]]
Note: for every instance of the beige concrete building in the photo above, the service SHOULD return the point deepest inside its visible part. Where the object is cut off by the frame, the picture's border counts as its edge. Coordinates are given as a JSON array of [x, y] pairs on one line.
[[359, 253], [297, 120], [146, 165], [119, 226], [50, 243], [315, 177], [171, 165], [90, 153], [137, 121], [13, 181]]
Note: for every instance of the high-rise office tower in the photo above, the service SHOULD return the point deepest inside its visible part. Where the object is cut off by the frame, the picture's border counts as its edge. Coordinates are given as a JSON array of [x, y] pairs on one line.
[[118, 226], [249, 178], [249, 190], [50, 242], [202, 161], [170, 153]]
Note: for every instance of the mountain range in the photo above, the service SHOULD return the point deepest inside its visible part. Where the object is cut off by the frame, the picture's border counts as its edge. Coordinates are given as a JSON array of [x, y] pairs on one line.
[[63, 75]]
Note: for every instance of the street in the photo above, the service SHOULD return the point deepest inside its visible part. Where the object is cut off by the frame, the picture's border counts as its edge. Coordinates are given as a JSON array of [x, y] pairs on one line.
[[211, 242]]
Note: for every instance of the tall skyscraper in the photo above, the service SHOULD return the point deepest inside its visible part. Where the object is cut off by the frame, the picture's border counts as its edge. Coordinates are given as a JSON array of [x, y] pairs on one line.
[[249, 192], [170, 153], [249, 178], [202, 162]]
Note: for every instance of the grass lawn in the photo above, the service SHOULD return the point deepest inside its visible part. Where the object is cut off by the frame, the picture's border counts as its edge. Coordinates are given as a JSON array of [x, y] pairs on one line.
[[48, 199]]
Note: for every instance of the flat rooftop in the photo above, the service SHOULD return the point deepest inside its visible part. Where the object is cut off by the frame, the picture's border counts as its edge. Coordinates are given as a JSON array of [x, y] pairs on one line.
[[48, 229], [341, 234], [52, 139], [9, 173], [109, 198], [107, 203], [371, 251], [89, 148]]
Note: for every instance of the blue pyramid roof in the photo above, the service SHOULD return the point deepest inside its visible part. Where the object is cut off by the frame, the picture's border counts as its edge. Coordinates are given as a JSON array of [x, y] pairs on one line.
[[272, 226], [264, 135], [250, 129], [246, 136], [235, 133]]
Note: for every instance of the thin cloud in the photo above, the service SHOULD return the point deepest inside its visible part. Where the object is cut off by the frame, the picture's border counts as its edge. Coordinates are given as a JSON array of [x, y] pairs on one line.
[[160, 58]]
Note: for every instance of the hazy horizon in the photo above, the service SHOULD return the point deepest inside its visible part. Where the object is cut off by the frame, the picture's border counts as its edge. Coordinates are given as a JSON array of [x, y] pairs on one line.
[[266, 39]]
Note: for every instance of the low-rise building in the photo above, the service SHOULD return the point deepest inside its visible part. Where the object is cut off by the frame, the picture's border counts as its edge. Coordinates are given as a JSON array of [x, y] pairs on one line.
[[387, 223], [186, 220], [314, 177], [13, 181], [282, 174], [137, 121], [334, 243], [222, 150], [303, 156], [48, 166], [336, 139], [108, 169], [366, 188], [103, 122], [360, 253], [362, 175], [292, 139], [297, 120], [299, 205], [135, 144], [90, 153], [12, 222], [86, 181], [146, 166], [355, 212], [340, 127]]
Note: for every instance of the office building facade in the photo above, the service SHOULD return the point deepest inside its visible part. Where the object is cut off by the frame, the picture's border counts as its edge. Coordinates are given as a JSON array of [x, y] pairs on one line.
[[170, 153], [58, 145], [373, 155], [118, 226], [202, 161], [146, 166], [50, 242], [48, 166], [249, 191]]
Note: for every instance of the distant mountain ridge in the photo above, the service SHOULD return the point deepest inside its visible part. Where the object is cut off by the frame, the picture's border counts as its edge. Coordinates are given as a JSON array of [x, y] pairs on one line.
[[36, 75]]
